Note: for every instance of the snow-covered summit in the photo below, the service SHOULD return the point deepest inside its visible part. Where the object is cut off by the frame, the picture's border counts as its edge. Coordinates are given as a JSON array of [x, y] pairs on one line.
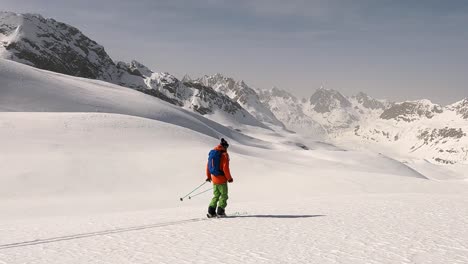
[[243, 94], [461, 108], [277, 92], [290, 110], [369, 102], [326, 100], [48, 44], [139, 69], [418, 129]]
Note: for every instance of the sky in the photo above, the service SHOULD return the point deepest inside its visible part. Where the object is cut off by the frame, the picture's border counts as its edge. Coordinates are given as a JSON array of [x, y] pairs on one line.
[[390, 49]]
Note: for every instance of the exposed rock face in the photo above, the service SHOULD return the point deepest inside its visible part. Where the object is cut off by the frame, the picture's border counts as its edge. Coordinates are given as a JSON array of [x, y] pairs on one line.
[[276, 92], [324, 100], [410, 111], [213, 100], [332, 110], [243, 94], [461, 108], [51, 45], [369, 102], [436, 135]]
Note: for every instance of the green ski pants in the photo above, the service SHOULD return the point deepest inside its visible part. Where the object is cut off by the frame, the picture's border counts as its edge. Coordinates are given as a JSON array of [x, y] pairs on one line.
[[220, 193]]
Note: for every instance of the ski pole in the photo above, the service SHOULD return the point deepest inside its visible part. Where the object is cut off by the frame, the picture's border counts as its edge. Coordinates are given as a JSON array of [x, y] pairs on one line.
[[190, 197], [182, 198]]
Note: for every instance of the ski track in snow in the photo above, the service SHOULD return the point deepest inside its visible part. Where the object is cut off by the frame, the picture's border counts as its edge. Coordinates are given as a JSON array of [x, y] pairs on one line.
[[331, 209], [348, 229], [68, 212]]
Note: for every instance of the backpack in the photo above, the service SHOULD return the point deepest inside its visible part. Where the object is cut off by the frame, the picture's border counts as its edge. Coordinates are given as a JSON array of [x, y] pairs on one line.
[[214, 161]]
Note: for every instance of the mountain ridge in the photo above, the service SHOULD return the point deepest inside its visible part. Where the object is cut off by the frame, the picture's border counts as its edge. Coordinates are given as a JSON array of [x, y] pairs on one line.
[[437, 132], [50, 45]]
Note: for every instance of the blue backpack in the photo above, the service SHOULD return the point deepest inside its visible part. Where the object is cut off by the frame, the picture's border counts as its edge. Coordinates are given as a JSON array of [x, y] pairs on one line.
[[214, 161]]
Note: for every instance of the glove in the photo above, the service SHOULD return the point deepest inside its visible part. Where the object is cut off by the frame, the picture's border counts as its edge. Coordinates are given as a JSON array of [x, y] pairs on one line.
[[208, 180], [230, 180]]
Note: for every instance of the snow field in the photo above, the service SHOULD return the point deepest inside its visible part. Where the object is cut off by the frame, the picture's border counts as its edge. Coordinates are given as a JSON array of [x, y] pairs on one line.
[[105, 189], [93, 172]]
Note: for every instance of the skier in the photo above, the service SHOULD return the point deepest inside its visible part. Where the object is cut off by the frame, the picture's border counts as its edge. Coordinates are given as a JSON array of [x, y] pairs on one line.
[[217, 171]]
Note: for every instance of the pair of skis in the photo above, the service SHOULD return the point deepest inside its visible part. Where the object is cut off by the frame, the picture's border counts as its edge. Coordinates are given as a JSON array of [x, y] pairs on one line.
[[216, 216], [235, 214]]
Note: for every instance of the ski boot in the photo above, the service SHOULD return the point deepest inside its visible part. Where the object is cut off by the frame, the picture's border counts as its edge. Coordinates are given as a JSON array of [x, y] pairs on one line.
[[221, 212], [211, 212]]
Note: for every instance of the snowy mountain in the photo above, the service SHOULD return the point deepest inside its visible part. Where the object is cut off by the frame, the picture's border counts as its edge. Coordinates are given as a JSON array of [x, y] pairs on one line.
[[412, 129], [55, 46], [331, 109], [243, 94], [289, 110], [415, 129], [368, 102], [461, 108], [52, 45], [326, 112]]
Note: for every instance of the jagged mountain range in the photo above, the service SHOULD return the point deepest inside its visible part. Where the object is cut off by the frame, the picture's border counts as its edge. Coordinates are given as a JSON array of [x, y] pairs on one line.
[[420, 128], [47, 44]]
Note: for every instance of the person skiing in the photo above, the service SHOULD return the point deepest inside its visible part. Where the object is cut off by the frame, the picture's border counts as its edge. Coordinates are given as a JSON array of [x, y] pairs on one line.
[[217, 171]]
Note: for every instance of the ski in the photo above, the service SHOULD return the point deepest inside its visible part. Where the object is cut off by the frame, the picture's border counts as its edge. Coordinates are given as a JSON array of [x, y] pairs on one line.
[[236, 214], [211, 216]]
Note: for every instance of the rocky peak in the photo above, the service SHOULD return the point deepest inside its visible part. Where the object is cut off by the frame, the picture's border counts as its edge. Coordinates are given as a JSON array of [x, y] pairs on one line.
[[51, 45], [412, 110], [136, 66], [461, 108], [237, 90], [276, 94], [275, 91], [187, 78], [218, 81], [369, 102], [325, 100], [241, 92]]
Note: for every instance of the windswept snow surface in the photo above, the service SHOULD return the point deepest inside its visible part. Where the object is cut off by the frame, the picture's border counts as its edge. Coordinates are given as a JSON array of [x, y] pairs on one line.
[[82, 186], [93, 187]]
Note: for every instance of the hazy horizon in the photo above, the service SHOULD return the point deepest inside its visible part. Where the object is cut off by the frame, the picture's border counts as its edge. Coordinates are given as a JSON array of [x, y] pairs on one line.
[[391, 50]]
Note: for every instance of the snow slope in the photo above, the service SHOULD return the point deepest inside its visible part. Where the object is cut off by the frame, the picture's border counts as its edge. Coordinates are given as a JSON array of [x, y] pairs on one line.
[[93, 172], [95, 187], [24, 88]]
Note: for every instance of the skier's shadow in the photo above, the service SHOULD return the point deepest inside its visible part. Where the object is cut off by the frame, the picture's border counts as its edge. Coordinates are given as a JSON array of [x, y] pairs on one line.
[[274, 216]]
